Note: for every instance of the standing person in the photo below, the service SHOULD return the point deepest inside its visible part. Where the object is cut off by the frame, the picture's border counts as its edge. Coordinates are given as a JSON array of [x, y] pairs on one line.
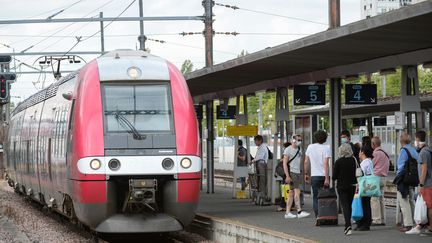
[[291, 159], [366, 155], [405, 192], [346, 138], [242, 161], [381, 163], [260, 161], [282, 205], [316, 164], [425, 177], [344, 175]]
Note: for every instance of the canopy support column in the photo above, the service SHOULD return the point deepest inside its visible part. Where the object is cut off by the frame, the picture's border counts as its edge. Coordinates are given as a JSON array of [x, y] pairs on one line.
[[210, 147]]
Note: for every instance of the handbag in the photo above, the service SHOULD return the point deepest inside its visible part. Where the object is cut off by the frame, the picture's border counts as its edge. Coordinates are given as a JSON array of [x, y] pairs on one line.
[[251, 169], [279, 168], [369, 185], [359, 171], [420, 211], [356, 208]]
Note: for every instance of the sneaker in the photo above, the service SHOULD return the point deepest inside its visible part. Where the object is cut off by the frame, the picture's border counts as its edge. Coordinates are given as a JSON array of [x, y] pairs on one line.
[[349, 231], [290, 216], [413, 231], [303, 214]]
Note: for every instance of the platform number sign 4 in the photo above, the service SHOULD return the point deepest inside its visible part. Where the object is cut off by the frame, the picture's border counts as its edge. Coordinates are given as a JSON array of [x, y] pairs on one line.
[[364, 94], [309, 94]]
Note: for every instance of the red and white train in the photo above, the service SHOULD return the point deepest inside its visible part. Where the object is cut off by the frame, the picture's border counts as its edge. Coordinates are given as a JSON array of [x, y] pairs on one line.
[[114, 145]]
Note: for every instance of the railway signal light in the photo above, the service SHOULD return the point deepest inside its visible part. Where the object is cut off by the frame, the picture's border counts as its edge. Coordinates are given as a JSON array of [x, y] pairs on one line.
[[3, 88]]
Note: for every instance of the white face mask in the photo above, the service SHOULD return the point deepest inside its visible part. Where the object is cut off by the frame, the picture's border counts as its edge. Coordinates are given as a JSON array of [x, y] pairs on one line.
[[419, 144]]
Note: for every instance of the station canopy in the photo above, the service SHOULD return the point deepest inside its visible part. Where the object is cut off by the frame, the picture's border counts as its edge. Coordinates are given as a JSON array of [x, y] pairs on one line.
[[390, 40]]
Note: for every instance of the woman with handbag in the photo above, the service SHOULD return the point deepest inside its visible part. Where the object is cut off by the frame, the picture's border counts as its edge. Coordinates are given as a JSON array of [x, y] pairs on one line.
[[366, 165], [344, 173]]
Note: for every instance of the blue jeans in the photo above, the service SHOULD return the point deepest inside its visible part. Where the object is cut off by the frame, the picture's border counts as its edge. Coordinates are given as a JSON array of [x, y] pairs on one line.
[[317, 183]]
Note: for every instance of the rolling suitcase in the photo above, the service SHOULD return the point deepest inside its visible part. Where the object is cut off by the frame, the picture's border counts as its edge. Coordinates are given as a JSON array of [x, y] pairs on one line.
[[327, 207]]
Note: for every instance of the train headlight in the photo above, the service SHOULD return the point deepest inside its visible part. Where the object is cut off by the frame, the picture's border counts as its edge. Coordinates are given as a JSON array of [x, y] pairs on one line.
[[167, 164], [186, 163], [114, 164], [95, 164], [134, 72]]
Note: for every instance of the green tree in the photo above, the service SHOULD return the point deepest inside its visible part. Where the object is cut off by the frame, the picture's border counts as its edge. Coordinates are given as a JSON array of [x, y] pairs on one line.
[[187, 66]]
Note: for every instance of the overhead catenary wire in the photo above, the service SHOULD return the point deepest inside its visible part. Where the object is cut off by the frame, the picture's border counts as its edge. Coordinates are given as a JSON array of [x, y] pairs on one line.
[[62, 9], [80, 39], [233, 7]]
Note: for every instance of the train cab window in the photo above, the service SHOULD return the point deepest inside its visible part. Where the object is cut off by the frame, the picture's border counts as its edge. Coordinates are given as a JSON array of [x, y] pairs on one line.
[[146, 107]]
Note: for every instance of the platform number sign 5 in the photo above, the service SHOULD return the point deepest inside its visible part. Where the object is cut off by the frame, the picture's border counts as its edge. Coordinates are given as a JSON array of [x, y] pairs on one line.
[[309, 95], [360, 94]]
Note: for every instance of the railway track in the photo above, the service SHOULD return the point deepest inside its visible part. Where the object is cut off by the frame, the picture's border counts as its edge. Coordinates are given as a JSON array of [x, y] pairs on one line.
[[42, 225]]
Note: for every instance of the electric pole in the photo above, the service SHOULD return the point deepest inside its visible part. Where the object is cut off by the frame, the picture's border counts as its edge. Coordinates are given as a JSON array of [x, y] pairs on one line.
[[208, 35], [208, 31]]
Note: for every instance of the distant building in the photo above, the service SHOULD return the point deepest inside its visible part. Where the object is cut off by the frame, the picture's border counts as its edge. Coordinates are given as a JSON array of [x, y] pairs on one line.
[[370, 8]]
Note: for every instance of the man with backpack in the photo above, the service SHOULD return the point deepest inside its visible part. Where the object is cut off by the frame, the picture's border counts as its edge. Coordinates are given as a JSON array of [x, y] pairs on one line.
[[406, 179], [260, 160], [381, 164]]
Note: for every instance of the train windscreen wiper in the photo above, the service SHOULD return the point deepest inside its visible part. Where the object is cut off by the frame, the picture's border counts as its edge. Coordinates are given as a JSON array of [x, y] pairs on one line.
[[128, 125]]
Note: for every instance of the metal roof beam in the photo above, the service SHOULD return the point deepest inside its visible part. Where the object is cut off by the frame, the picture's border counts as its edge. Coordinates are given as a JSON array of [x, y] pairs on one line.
[[52, 53]]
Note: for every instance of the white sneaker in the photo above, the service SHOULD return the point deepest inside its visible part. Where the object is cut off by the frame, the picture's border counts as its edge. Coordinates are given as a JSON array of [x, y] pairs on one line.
[[290, 216], [413, 231], [303, 214]]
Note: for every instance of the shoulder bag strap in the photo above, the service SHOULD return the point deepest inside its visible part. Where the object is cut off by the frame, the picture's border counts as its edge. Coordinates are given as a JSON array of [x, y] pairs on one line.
[[298, 151], [388, 157]]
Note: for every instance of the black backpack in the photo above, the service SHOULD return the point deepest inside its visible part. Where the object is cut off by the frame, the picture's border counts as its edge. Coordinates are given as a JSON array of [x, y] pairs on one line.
[[270, 154], [411, 177]]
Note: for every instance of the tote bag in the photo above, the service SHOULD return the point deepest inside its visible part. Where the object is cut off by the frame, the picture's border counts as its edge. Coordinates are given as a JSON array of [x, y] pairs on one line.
[[420, 211], [356, 208], [369, 185]]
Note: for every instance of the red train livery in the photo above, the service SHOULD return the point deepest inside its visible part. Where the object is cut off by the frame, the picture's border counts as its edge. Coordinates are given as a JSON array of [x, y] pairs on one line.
[[114, 145]]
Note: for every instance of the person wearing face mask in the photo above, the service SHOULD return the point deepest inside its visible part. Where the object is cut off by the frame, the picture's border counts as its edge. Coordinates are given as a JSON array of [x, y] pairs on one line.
[[346, 138], [291, 159]]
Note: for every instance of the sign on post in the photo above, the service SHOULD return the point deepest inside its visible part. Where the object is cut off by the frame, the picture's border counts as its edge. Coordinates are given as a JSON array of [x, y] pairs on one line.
[[399, 120], [364, 94], [247, 130], [230, 113], [309, 94]]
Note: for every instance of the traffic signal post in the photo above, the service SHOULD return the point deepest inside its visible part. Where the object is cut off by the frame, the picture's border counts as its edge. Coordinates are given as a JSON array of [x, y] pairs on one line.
[[5, 79]]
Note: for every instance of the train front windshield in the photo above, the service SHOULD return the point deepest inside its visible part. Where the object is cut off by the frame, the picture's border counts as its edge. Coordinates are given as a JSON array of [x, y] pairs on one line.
[[145, 108]]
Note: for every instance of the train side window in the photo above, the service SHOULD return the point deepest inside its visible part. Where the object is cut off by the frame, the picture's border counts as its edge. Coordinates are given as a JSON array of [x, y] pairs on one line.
[[27, 157], [14, 155], [49, 159]]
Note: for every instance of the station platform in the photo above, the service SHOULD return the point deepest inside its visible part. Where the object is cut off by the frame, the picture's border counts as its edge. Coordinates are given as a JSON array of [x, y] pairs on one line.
[[239, 220]]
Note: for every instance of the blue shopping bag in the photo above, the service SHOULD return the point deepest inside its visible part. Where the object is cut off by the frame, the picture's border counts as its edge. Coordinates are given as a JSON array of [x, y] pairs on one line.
[[356, 208]]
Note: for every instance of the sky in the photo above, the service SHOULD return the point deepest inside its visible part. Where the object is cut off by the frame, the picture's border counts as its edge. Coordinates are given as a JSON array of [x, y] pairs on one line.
[[257, 31]]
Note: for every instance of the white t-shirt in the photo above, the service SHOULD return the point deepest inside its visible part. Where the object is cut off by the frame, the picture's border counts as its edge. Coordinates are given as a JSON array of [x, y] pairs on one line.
[[367, 166], [317, 153], [295, 163]]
